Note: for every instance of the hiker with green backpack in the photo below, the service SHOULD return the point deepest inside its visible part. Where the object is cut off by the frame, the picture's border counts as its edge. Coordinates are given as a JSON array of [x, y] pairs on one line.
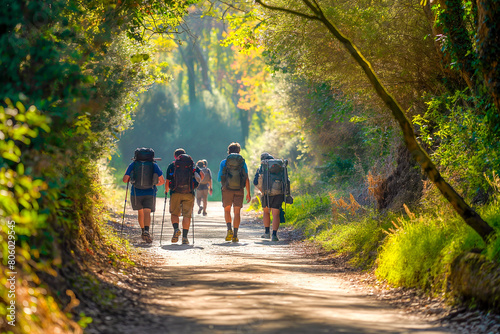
[[182, 183], [144, 175], [272, 180], [233, 176]]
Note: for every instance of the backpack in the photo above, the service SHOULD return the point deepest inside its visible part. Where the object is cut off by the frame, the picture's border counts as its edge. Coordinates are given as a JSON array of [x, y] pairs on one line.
[[207, 177], [183, 174], [273, 178], [234, 176], [144, 154], [142, 175]]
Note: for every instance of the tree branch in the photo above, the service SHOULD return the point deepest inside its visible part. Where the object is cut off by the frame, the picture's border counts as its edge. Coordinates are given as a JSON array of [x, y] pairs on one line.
[[316, 10], [286, 10]]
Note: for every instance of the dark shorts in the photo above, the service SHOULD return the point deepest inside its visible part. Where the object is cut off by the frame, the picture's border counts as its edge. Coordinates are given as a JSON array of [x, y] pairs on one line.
[[143, 202], [274, 201], [232, 197]]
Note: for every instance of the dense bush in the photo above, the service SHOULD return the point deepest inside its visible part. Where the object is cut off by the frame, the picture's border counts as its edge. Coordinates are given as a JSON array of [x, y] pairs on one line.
[[71, 72]]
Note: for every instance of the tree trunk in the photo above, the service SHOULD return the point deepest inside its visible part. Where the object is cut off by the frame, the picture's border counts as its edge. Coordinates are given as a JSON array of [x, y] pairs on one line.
[[418, 153], [488, 34], [204, 67], [189, 61], [452, 75], [456, 30]]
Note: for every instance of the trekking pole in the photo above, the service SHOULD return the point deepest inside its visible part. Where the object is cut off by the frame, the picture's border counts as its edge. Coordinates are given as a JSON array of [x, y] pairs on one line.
[[192, 216], [124, 206], [163, 219], [153, 224]]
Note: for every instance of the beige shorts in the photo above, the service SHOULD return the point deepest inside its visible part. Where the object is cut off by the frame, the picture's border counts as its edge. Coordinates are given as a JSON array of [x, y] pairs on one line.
[[232, 197], [181, 203]]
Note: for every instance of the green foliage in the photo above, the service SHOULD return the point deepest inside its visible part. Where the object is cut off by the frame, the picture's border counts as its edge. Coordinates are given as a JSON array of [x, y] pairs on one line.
[[309, 213], [462, 140], [357, 239], [74, 62], [419, 250]]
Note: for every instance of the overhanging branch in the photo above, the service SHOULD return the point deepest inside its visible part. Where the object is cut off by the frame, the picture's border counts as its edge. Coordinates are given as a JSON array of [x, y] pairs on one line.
[[286, 10]]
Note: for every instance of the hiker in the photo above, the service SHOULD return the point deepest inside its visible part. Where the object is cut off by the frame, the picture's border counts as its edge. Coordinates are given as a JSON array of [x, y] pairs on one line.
[[181, 180], [204, 188], [272, 180], [144, 174], [233, 176]]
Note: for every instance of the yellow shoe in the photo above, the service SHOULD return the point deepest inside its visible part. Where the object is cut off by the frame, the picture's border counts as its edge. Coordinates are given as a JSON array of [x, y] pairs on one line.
[[229, 235], [176, 235], [235, 239]]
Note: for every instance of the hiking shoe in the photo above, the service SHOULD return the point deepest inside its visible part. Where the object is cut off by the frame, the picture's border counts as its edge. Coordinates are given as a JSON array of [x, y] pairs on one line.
[[176, 235], [147, 237], [266, 236], [235, 239], [204, 213], [275, 238], [185, 241], [229, 235], [142, 236], [200, 209]]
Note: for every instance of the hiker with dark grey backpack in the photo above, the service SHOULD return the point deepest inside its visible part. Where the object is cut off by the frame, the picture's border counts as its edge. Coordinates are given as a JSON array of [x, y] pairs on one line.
[[272, 180], [181, 181], [233, 176], [144, 174]]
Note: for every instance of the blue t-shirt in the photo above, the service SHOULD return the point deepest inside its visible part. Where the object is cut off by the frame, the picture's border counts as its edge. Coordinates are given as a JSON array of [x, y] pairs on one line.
[[144, 192], [223, 164]]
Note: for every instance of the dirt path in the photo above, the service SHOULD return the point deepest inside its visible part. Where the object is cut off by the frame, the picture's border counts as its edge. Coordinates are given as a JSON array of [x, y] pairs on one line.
[[254, 286]]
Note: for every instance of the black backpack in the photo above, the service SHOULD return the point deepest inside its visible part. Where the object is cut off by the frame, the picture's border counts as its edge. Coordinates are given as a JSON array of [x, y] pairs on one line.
[[144, 154], [142, 175], [273, 178], [183, 174], [234, 176]]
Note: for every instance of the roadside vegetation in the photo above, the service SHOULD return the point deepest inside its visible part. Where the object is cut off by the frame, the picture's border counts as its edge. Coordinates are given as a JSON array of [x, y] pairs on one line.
[[201, 74], [71, 75], [358, 192]]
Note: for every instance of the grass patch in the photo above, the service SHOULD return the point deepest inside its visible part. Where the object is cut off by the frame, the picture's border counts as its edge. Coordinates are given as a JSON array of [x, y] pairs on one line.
[[420, 248]]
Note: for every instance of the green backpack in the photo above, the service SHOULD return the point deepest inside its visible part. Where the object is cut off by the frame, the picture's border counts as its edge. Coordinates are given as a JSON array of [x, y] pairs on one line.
[[234, 176]]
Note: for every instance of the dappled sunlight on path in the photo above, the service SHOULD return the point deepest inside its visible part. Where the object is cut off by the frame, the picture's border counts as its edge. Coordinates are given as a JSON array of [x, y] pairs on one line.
[[254, 286]]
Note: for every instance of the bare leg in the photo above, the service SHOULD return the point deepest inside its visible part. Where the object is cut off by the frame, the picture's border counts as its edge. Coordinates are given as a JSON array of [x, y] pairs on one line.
[[186, 221], [237, 217], [267, 217], [227, 214], [205, 200], [276, 219], [147, 217], [140, 217], [174, 219]]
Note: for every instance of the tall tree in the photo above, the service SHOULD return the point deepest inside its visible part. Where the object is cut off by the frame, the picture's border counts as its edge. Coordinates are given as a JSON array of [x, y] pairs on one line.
[[312, 11], [488, 42]]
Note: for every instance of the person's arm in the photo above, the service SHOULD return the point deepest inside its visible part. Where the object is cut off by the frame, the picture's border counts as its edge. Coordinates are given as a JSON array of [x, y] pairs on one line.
[[202, 175], [126, 177], [248, 190], [167, 180], [161, 180], [210, 188], [221, 167]]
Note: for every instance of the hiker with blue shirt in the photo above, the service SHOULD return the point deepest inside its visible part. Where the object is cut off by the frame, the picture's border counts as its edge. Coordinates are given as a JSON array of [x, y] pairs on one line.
[[144, 174], [233, 176]]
